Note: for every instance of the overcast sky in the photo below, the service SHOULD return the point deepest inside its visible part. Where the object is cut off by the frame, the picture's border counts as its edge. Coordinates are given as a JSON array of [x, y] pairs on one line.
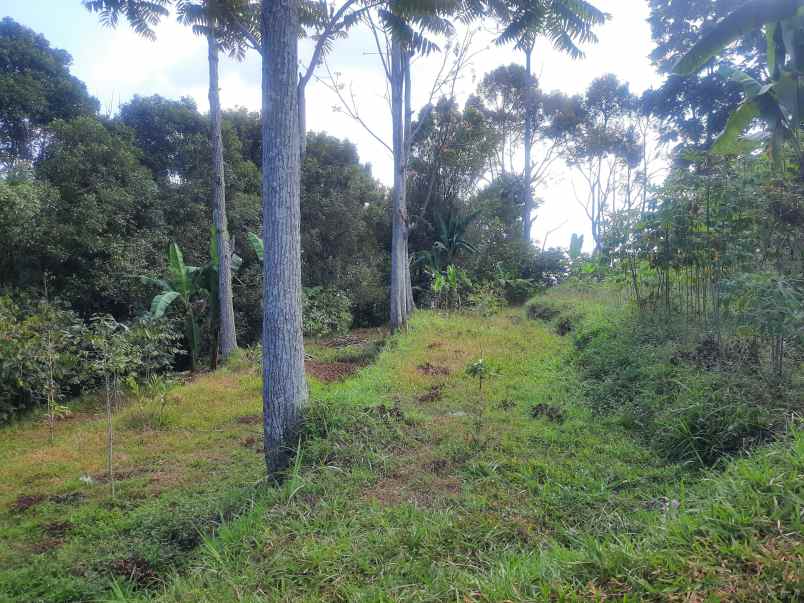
[[117, 64]]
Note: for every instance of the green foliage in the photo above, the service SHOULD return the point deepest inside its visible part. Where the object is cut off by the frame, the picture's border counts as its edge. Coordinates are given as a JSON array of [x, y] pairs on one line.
[[40, 346], [576, 247], [450, 287], [765, 303], [486, 300], [516, 290], [44, 345], [480, 370], [325, 311], [393, 497], [36, 87], [672, 387]]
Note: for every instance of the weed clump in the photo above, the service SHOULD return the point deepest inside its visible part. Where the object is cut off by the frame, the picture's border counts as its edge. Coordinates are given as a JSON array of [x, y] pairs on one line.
[[549, 412], [538, 311], [691, 401]]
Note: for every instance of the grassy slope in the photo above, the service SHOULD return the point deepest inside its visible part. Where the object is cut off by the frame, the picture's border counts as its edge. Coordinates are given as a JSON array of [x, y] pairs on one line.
[[399, 496]]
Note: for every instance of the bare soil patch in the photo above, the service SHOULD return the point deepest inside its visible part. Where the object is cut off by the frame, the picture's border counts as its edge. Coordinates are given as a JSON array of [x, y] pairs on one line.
[[57, 529], [26, 501], [249, 420], [432, 369], [432, 395], [329, 372]]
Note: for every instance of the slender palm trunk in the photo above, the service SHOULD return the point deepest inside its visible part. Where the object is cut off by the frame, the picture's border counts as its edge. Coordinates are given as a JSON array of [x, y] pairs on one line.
[[227, 340], [400, 274], [527, 205], [284, 385]]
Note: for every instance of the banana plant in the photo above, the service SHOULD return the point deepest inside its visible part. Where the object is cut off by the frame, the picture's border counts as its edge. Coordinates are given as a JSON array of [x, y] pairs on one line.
[[257, 245], [450, 242], [780, 102], [185, 285], [181, 284]]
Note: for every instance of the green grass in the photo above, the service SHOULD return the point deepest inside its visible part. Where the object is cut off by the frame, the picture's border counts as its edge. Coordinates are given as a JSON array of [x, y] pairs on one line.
[[410, 485]]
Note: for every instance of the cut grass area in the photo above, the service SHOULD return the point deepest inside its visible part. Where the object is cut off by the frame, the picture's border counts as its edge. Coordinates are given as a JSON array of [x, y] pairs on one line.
[[411, 484]]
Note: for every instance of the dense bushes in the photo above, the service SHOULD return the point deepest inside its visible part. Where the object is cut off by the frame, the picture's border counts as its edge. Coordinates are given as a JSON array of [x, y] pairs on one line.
[[37, 340], [325, 312], [46, 349]]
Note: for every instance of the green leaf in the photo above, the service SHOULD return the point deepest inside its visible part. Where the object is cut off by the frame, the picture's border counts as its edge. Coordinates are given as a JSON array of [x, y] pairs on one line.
[[770, 38], [158, 282], [257, 245], [789, 98], [751, 87], [177, 271], [745, 19], [729, 141], [162, 302]]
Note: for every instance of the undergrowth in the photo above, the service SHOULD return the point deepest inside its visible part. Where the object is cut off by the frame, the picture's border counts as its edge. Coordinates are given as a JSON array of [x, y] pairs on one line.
[[662, 378], [413, 484]]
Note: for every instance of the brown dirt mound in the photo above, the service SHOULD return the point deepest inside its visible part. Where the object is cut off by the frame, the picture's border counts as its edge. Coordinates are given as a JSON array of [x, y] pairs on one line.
[[46, 545], [431, 369], [57, 529], [249, 420], [26, 501], [121, 475], [432, 395], [330, 371]]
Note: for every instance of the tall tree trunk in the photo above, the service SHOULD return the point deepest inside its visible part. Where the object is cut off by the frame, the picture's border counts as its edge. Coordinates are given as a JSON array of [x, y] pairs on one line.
[[410, 305], [284, 385], [302, 119], [527, 205], [228, 336], [400, 275]]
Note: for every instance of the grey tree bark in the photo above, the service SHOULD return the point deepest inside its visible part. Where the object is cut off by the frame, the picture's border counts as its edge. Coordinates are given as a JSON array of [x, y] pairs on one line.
[[302, 96], [527, 206], [400, 273], [410, 306], [284, 385], [226, 320]]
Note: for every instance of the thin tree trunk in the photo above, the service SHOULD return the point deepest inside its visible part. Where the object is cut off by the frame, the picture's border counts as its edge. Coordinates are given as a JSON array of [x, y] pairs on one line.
[[227, 339], [399, 256], [284, 385], [109, 433], [527, 205]]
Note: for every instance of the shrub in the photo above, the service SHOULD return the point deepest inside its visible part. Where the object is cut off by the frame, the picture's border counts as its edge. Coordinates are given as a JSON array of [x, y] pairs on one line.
[[539, 311], [47, 352], [37, 340], [326, 311], [486, 300]]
